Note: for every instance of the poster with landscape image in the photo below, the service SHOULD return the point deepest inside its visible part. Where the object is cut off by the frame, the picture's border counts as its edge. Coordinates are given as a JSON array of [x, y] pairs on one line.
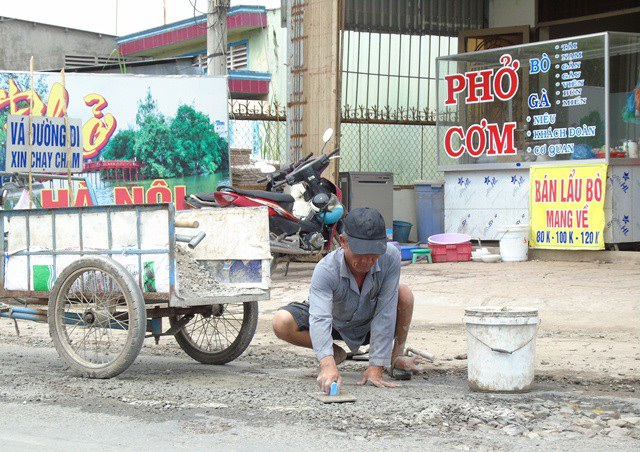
[[145, 138]]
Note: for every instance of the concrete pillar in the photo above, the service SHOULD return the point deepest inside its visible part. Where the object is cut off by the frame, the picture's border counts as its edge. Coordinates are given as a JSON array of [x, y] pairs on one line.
[[217, 37], [321, 82]]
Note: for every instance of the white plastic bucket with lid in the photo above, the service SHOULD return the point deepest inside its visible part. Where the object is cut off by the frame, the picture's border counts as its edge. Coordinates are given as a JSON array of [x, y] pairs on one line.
[[514, 242], [501, 345]]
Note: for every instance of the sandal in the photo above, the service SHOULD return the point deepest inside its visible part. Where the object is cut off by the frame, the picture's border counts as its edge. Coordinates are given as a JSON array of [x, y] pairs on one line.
[[358, 356]]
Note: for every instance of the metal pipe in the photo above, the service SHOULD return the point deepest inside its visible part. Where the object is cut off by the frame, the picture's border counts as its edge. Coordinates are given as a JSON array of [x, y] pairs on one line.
[[197, 239], [43, 176], [607, 119], [22, 316], [286, 249], [24, 310], [184, 238]]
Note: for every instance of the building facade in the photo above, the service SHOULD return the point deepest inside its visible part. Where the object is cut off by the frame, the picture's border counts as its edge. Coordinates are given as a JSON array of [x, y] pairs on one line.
[[52, 47], [256, 49]]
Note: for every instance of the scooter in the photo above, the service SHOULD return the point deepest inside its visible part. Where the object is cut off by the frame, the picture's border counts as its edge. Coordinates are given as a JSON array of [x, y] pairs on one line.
[[293, 238]]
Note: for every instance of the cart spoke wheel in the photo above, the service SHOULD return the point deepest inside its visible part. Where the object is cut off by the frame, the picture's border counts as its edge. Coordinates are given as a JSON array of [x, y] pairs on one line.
[[97, 317], [219, 336]]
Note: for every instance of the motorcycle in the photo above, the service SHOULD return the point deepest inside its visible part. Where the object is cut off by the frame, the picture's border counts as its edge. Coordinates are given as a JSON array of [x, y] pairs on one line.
[[293, 238]]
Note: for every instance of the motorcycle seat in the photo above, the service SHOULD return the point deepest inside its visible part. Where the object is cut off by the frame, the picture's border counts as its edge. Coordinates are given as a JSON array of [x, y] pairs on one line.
[[280, 198], [205, 197]]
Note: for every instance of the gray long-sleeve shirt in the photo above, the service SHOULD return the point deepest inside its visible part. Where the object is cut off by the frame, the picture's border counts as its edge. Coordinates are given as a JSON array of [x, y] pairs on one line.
[[336, 301]]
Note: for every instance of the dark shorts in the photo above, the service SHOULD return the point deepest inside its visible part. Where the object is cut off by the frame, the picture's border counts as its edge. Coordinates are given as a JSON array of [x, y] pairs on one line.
[[300, 313]]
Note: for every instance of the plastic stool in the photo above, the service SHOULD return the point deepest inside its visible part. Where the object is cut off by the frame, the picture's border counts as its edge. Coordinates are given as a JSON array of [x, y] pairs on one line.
[[425, 252]]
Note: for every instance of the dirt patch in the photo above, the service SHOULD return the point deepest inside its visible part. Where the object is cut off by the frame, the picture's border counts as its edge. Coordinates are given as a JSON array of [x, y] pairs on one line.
[[585, 395]]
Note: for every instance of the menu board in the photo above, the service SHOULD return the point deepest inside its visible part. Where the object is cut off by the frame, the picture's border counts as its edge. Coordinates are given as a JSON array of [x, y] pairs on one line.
[[565, 90], [532, 103]]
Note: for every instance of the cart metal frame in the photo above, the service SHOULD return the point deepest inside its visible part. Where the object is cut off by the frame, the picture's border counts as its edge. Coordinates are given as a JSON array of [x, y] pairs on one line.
[[14, 304]]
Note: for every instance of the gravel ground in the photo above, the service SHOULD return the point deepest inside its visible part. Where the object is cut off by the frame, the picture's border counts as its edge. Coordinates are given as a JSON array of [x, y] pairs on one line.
[[261, 400]]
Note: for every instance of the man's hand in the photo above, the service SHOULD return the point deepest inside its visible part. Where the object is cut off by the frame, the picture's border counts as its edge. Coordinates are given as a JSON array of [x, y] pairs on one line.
[[328, 374], [373, 375]]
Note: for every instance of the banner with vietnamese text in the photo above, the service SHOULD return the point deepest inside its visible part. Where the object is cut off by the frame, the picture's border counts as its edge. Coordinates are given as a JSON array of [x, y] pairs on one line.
[[567, 206]]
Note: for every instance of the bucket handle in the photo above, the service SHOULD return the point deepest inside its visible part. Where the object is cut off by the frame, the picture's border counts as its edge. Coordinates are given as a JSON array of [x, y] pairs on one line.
[[506, 230], [501, 350]]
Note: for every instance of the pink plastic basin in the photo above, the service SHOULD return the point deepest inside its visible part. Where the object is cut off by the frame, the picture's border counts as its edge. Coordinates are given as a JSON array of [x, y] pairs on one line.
[[451, 238]]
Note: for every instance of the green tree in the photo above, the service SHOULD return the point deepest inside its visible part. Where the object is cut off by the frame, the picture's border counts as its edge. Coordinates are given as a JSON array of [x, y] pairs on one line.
[[155, 147], [147, 109], [199, 149], [121, 146], [170, 147]]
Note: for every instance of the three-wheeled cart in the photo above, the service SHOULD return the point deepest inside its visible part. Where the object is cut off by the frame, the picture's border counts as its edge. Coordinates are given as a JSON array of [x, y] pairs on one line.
[[107, 277]]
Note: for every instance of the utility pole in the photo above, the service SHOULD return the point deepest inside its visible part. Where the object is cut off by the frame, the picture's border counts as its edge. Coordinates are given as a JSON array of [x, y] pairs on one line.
[[217, 37]]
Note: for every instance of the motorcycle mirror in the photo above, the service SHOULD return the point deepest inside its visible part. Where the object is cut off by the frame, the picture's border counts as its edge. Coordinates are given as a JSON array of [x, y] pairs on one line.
[[264, 167], [327, 135]]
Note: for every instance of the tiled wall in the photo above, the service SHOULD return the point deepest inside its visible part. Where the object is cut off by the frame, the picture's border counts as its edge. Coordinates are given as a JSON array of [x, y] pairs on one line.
[[479, 202], [622, 204]]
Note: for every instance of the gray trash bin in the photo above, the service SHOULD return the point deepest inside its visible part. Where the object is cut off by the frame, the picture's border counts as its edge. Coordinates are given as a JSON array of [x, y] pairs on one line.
[[429, 208]]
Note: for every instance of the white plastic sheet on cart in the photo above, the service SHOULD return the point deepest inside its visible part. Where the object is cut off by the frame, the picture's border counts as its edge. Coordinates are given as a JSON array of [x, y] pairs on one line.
[[235, 250], [111, 234]]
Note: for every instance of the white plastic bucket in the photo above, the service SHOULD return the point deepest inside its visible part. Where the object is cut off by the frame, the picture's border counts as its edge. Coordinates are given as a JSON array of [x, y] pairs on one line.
[[514, 242], [501, 345]]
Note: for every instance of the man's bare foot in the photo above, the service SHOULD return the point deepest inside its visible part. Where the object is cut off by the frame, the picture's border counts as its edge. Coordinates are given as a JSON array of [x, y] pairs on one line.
[[339, 354], [410, 363]]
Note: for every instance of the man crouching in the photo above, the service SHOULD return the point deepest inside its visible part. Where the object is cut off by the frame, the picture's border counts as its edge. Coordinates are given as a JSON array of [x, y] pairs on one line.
[[355, 296]]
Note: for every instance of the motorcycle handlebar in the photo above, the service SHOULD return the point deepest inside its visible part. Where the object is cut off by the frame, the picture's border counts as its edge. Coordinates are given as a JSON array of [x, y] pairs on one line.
[[277, 174], [280, 183], [287, 179]]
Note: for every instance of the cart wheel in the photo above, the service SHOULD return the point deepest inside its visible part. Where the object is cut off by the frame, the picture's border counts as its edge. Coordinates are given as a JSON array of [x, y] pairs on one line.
[[219, 336], [97, 317]]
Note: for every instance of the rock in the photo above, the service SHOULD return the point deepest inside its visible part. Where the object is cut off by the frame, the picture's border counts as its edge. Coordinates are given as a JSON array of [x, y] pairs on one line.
[[617, 423], [583, 422], [584, 431], [632, 420], [566, 410], [596, 427], [618, 432], [462, 356], [474, 421], [571, 435], [514, 430]]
